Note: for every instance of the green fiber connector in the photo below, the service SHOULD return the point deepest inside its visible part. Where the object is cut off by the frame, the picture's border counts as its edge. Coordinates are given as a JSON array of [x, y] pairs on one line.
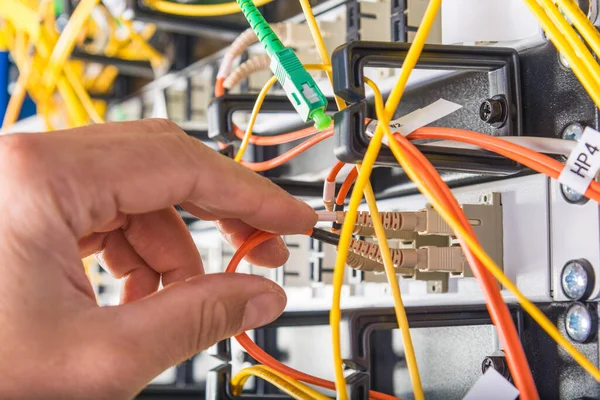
[[299, 86]]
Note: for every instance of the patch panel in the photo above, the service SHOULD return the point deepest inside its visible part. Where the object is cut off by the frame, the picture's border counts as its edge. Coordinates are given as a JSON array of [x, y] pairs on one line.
[[521, 88]]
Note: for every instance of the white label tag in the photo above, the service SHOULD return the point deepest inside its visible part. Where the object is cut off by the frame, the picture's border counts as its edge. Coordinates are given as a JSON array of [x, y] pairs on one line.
[[492, 386], [418, 118], [583, 163]]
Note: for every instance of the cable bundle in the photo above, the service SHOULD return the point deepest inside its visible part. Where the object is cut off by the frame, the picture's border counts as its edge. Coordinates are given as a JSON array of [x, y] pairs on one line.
[[432, 186], [34, 42], [45, 71]]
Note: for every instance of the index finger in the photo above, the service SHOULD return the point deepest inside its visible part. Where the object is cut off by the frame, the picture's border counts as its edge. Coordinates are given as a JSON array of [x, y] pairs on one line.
[[93, 178]]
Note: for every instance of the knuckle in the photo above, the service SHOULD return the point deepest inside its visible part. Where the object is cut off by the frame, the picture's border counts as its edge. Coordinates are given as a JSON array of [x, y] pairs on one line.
[[160, 125], [19, 154]]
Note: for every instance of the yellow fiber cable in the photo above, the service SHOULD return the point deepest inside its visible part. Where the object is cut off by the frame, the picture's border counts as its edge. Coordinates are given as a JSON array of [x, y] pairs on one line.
[[199, 10], [318, 39], [21, 17], [258, 104], [75, 110], [411, 359], [572, 38], [582, 23], [489, 264], [66, 42], [367, 165], [101, 84], [370, 196], [156, 59], [82, 95], [259, 101], [584, 76], [284, 383]]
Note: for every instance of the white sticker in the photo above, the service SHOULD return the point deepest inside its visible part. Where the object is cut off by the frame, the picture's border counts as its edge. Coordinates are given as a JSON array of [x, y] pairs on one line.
[[583, 163], [492, 386], [418, 118]]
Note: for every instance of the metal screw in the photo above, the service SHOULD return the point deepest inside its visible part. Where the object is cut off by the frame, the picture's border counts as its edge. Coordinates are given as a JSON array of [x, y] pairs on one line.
[[577, 279], [580, 323], [573, 131], [571, 196], [563, 61], [592, 11], [491, 111], [497, 362]]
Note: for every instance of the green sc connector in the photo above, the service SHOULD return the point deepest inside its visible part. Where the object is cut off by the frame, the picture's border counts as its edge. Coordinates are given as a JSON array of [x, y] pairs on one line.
[[299, 86]]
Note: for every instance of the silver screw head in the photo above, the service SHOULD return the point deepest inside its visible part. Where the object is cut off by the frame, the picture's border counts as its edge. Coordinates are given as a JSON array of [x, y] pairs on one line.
[[580, 323], [563, 61], [573, 131], [576, 279], [572, 196]]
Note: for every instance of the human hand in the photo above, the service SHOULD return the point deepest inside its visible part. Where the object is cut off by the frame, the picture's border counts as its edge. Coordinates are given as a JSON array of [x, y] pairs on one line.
[[110, 189]]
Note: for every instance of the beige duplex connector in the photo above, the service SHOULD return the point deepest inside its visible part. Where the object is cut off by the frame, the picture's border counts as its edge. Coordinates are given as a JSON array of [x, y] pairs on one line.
[[441, 259], [397, 225], [432, 238], [433, 223], [366, 256], [486, 220]]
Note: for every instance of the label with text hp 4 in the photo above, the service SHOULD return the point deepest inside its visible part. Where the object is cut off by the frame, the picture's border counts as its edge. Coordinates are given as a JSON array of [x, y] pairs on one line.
[[583, 163]]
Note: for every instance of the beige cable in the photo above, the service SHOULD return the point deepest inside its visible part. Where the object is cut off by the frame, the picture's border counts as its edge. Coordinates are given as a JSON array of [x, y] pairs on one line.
[[247, 68]]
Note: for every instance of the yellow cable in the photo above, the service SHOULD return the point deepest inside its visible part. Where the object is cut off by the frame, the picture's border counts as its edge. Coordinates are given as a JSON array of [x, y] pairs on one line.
[[82, 95], [156, 59], [199, 10], [66, 42], [572, 38], [16, 15], [284, 383], [102, 83], [489, 264], [258, 104], [21, 17], [411, 359], [381, 238], [259, 101], [584, 76], [367, 165], [582, 23], [318, 39]]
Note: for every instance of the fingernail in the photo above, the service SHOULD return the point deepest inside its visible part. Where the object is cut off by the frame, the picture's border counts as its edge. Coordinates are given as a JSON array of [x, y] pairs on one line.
[[283, 249], [262, 309]]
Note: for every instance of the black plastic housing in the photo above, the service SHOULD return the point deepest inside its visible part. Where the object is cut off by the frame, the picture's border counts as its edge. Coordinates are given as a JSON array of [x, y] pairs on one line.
[[503, 78], [221, 109]]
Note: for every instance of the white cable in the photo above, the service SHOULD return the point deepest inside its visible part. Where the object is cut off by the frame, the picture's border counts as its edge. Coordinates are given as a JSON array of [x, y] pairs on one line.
[[538, 144], [326, 216]]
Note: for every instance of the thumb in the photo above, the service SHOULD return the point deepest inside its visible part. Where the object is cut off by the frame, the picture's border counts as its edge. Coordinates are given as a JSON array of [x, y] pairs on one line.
[[183, 319]]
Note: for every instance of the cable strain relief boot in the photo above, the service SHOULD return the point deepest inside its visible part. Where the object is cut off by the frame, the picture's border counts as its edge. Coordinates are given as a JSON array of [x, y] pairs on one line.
[[322, 120]]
